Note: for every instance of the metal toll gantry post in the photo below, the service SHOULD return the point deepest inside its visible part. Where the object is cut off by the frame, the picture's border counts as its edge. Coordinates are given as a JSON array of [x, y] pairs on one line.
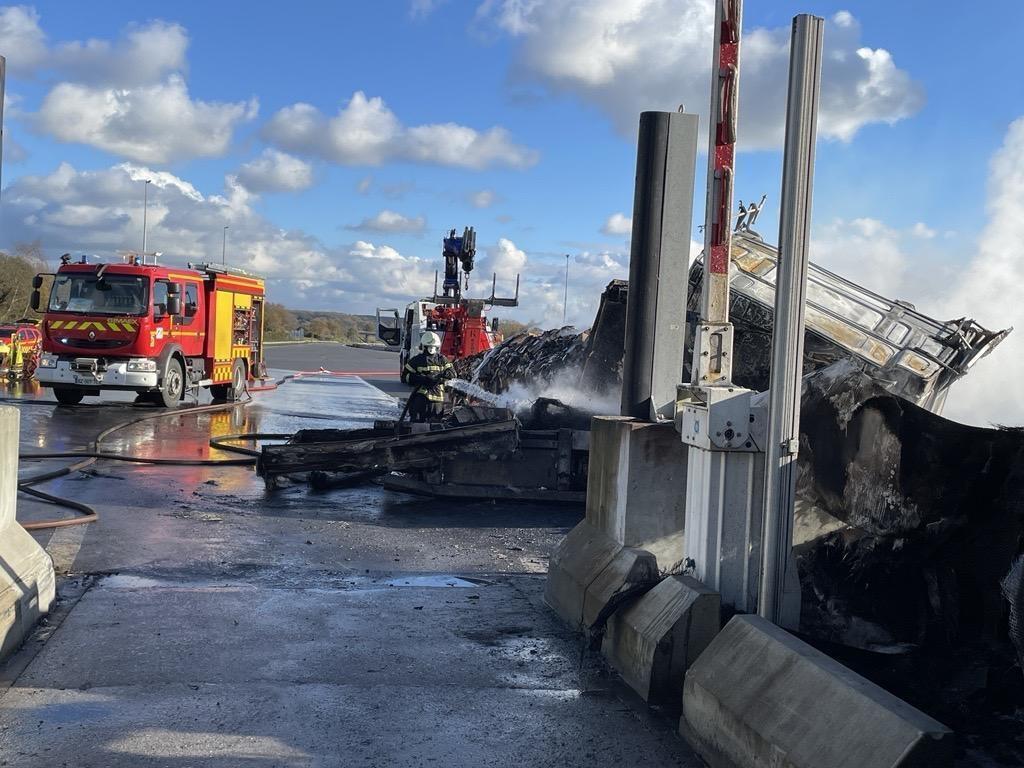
[[758, 692], [778, 568], [714, 417]]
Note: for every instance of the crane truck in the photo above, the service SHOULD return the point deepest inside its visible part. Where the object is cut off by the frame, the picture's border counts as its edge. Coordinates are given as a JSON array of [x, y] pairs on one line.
[[155, 330], [460, 322]]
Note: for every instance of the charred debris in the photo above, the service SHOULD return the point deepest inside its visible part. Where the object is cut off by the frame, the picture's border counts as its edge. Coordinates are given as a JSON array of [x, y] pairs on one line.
[[908, 529]]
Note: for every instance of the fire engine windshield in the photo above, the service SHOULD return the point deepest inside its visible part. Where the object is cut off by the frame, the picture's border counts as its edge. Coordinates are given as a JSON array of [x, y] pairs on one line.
[[109, 295]]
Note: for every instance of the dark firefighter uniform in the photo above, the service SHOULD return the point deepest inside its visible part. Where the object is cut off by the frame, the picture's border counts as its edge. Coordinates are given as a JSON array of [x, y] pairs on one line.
[[427, 374]]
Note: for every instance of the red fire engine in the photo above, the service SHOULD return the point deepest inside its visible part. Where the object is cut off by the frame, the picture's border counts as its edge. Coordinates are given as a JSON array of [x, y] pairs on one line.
[[460, 322], [155, 330]]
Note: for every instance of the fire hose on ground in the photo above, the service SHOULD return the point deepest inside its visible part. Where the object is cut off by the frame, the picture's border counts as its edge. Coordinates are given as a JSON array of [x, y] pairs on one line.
[[94, 453]]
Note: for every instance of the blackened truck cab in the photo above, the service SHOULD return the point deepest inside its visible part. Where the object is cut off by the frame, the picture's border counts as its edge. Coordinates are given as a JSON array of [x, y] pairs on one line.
[[154, 330]]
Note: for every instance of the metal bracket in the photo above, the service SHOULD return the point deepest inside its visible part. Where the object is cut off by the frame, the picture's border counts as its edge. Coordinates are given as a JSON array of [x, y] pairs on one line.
[[718, 418], [713, 353]]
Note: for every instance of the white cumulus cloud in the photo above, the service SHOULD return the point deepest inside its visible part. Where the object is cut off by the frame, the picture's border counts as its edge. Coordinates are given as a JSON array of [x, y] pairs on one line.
[[483, 198], [275, 171], [127, 96], [627, 56], [618, 224], [145, 55], [151, 124], [22, 40], [391, 221], [366, 132]]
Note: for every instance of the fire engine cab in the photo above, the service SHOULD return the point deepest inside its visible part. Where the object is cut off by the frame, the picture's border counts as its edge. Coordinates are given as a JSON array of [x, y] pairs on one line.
[[155, 330]]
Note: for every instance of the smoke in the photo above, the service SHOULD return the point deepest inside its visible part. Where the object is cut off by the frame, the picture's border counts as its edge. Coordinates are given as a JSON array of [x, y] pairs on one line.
[[992, 291], [565, 387]]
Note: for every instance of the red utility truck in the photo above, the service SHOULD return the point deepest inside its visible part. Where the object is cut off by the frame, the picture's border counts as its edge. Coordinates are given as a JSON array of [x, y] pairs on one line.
[[461, 322], [154, 330]]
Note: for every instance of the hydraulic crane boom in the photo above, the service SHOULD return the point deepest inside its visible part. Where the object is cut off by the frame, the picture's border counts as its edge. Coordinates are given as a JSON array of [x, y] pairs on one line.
[[458, 252]]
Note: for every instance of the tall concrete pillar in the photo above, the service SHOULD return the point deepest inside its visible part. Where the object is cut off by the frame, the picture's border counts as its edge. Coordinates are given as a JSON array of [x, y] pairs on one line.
[[26, 571], [658, 264], [608, 575]]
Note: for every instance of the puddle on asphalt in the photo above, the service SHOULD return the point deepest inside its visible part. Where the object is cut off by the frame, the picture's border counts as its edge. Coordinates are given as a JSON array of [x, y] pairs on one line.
[[124, 581], [318, 582], [435, 580]]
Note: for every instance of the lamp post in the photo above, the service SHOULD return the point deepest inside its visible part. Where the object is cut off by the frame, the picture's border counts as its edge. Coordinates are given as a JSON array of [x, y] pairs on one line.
[[3, 78], [145, 211], [224, 245]]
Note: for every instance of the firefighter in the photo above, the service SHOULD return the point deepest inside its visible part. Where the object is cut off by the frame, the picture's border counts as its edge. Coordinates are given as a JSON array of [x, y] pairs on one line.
[[427, 372]]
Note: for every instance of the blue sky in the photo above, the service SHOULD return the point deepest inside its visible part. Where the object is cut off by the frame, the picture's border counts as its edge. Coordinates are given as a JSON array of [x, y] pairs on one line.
[[918, 100]]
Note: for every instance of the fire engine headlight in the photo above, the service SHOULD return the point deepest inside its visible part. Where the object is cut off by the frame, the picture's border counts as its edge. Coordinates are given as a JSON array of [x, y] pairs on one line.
[[147, 365], [48, 361]]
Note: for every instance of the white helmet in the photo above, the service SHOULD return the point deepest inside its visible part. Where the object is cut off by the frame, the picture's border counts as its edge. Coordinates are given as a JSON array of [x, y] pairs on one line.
[[430, 339]]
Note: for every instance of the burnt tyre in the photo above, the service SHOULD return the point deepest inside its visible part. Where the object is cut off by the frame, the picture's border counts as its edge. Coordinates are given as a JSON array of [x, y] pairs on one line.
[[68, 396], [172, 388]]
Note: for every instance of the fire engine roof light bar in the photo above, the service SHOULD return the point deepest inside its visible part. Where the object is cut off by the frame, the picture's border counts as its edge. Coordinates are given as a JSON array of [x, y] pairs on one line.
[[713, 358], [222, 269], [790, 295]]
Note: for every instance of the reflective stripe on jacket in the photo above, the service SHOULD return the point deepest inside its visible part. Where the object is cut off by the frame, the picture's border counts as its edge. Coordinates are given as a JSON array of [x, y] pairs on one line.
[[427, 373]]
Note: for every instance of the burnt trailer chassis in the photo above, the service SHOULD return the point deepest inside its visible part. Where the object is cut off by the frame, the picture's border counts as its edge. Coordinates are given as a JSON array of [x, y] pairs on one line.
[[323, 456], [479, 451]]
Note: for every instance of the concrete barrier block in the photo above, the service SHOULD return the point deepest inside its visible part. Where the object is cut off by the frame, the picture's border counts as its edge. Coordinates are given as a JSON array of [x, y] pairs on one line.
[[652, 642], [758, 696], [578, 560], [631, 463], [630, 573], [27, 581]]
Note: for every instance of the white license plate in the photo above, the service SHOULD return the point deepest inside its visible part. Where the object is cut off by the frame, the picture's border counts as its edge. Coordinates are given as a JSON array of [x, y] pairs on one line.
[[88, 379]]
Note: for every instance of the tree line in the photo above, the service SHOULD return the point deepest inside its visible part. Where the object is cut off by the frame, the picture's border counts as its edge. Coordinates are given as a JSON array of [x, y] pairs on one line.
[[281, 324], [17, 269]]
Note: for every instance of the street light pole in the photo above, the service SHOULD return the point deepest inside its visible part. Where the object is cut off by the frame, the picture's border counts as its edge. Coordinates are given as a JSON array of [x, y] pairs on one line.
[[565, 298], [145, 211], [224, 245], [3, 78]]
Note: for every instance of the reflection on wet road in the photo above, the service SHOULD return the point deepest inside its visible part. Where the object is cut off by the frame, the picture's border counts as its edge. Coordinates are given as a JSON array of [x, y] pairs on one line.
[[141, 497]]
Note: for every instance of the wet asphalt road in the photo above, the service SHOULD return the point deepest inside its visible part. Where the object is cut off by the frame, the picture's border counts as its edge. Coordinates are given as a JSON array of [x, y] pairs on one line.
[[205, 621]]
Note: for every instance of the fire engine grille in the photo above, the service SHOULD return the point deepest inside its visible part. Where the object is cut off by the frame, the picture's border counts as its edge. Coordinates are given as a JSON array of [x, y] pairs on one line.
[[94, 343]]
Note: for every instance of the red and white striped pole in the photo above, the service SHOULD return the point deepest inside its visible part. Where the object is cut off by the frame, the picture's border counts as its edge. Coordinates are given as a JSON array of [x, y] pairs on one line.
[[713, 350]]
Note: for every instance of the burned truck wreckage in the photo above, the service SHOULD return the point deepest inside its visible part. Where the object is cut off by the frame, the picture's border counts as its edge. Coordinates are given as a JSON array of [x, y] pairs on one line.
[[908, 527]]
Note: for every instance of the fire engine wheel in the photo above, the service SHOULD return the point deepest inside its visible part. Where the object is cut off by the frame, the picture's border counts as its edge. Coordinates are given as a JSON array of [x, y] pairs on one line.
[[68, 396], [237, 389], [173, 385], [233, 391]]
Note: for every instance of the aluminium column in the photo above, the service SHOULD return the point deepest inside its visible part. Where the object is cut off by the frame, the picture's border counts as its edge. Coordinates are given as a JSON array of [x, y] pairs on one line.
[[788, 331]]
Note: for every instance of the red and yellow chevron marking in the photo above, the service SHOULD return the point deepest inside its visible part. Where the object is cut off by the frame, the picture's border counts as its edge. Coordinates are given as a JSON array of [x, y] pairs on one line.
[[119, 325]]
